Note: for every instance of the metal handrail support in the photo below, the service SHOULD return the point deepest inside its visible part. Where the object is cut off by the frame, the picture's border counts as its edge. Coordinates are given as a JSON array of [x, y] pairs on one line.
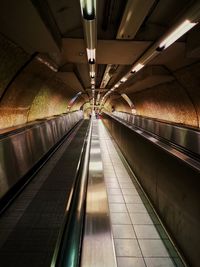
[[68, 247]]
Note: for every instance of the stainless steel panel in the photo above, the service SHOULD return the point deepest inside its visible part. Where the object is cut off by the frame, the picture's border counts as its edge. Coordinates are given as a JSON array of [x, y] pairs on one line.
[[19, 152], [187, 138], [67, 249], [98, 248], [172, 185], [164, 146]]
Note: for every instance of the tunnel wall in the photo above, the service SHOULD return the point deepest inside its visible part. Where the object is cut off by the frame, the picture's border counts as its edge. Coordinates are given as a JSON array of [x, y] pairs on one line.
[[29, 90], [177, 101], [35, 93], [189, 79], [119, 104], [172, 185], [167, 102]]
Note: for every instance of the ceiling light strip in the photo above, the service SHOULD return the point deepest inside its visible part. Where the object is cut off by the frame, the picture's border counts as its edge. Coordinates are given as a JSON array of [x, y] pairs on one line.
[[88, 10], [184, 27]]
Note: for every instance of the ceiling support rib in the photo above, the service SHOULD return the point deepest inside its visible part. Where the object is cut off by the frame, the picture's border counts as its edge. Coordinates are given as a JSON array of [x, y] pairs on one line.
[[188, 20], [133, 17]]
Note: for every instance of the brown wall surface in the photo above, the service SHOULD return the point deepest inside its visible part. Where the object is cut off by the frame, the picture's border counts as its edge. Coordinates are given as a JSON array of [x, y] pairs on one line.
[[29, 90], [34, 94], [189, 78], [118, 103], [167, 102], [177, 101]]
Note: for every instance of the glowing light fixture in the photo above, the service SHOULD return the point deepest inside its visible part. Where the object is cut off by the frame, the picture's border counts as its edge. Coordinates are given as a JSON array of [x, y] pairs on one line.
[[91, 54], [98, 97], [123, 80], [48, 64], [92, 74], [138, 67], [92, 81], [184, 27], [116, 85], [88, 9]]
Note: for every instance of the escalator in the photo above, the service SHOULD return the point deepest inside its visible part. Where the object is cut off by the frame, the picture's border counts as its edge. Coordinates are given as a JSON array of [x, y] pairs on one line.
[[30, 224], [84, 207]]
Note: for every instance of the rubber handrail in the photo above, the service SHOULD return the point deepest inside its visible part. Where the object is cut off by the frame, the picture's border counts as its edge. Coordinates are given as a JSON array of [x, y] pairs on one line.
[[23, 127], [67, 251]]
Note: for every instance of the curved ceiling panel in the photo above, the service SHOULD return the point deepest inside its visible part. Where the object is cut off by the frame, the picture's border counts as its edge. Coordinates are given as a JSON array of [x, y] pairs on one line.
[[166, 88]]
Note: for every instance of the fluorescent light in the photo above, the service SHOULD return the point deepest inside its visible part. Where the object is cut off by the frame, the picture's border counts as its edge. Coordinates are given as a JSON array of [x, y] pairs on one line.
[[138, 67], [116, 85], [133, 17], [124, 79], [98, 96], [92, 74], [184, 27], [88, 9], [107, 75], [92, 81], [91, 54], [48, 64], [89, 6]]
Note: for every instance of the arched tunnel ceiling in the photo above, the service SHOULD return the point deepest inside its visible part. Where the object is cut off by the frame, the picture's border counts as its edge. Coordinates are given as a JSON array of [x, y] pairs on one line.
[[54, 30]]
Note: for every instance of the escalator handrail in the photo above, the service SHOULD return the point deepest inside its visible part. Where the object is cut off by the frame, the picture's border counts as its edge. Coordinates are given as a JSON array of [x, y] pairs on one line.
[[181, 137], [185, 155], [68, 246], [7, 132]]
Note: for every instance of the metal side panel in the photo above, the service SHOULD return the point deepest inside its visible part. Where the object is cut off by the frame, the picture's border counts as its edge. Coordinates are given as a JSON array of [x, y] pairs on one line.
[[30, 226], [98, 246], [187, 138], [171, 182], [19, 152]]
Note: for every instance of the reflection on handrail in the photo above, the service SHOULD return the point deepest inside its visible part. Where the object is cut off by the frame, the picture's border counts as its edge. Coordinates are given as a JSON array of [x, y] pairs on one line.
[[187, 138], [68, 246], [5, 132], [188, 157], [23, 153]]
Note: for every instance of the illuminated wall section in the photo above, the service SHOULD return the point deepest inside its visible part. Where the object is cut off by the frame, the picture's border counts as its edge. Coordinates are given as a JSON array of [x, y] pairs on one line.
[[168, 102], [35, 93]]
